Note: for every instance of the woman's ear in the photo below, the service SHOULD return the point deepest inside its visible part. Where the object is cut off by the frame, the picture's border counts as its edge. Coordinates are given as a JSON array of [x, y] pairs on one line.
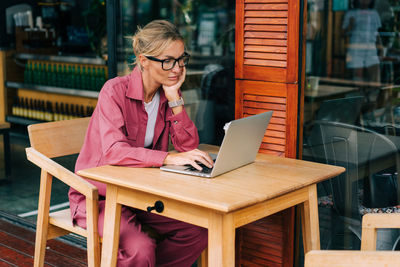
[[143, 62]]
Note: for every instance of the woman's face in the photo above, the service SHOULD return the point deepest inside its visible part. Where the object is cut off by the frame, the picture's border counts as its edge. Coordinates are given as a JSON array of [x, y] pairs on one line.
[[166, 77]]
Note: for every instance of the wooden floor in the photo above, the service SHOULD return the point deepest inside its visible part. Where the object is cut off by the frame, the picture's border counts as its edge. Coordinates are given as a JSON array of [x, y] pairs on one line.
[[17, 246]]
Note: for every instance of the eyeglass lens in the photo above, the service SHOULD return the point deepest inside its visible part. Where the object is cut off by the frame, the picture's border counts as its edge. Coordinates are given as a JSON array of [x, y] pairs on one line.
[[170, 63]]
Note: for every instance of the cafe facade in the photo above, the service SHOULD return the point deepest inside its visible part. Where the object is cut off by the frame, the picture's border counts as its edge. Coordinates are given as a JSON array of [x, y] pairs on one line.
[[326, 68]]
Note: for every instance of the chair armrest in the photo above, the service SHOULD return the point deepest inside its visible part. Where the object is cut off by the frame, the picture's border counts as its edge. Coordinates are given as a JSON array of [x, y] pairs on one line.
[[62, 173], [339, 258]]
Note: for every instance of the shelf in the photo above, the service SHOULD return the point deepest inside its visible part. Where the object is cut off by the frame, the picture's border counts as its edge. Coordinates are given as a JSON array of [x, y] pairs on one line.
[[66, 59], [54, 89], [21, 120]]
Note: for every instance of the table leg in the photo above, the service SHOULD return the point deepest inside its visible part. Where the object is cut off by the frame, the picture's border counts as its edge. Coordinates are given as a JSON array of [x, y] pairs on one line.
[[310, 221], [221, 240], [111, 228]]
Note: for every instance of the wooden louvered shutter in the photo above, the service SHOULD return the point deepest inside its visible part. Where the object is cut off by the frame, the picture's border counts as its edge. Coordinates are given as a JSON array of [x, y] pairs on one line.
[[267, 37], [266, 73]]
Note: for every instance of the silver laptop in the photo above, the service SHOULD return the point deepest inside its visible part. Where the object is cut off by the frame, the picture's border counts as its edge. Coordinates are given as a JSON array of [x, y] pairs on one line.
[[240, 146]]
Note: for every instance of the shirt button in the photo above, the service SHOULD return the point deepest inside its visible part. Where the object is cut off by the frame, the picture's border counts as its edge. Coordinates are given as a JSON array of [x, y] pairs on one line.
[[175, 122]]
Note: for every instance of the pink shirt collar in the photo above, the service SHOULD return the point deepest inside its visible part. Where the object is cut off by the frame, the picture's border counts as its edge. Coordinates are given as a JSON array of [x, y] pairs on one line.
[[135, 86]]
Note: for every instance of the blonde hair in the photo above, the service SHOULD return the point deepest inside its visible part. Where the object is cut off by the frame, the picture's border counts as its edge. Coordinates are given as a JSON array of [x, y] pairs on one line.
[[154, 38]]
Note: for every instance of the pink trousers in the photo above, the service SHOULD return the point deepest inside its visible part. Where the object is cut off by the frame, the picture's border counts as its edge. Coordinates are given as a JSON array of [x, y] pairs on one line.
[[181, 247]]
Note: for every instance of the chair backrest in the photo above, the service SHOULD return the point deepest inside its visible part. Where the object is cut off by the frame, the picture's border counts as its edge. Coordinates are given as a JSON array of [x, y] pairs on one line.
[[340, 258], [355, 148], [336, 145], [59, 138], [372, 222]]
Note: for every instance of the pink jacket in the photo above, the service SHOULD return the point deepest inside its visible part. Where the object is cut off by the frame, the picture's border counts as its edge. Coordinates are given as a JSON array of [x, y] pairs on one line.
[[117, 130]]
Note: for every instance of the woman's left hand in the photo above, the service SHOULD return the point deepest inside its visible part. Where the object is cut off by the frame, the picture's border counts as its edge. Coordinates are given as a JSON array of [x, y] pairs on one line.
[[171, 92]]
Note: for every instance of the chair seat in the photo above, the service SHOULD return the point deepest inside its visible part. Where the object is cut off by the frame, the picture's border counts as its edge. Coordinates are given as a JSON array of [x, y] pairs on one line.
[[63, 220]]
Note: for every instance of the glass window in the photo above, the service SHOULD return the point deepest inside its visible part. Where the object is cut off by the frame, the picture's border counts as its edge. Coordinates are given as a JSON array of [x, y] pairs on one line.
[[352, 113], [61, 52], [208, 30]]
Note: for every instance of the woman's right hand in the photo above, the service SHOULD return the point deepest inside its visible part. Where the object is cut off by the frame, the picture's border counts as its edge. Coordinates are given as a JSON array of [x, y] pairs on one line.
[[192, 157]]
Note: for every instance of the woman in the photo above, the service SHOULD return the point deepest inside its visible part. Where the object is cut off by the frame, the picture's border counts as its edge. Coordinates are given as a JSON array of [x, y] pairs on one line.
[[131, 125], [361, 26]]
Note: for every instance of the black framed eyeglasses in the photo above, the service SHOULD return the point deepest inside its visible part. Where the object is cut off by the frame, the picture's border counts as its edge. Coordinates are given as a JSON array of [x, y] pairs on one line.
[[169, 63]]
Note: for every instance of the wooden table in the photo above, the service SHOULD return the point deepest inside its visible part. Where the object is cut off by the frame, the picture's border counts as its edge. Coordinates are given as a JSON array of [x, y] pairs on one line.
[[222, 204]]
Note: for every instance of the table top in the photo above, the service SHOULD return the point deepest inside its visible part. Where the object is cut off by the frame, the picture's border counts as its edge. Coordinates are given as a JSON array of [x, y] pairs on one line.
[[268, 177], [351, 82], [325, 90]]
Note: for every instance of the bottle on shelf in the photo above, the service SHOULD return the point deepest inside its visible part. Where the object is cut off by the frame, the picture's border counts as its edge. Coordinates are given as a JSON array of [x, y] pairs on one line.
[[34, 109], [59, 76], [71, 76], [40, 74], [48, 114], [65, 111], [53, 74], [26, 109], [15, 107], [45, 111], [82, 111], [21, 107], [74, 114], [65, 80], [89, 111], [78, 78], [47, 73], [29, 108], [67, 75], [79, 109], [28, 72], [56, 112], [35, 79], [84, 78], [41, 110], [62, 112]]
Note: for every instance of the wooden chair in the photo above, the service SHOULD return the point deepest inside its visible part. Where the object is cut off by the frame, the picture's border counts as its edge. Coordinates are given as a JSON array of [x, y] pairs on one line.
[[368, 256], [56, 139]]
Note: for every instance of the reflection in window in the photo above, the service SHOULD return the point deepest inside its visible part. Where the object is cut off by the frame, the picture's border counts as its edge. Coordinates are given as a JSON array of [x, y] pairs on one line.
[[208, 30], [352, 113], [360, 29]]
